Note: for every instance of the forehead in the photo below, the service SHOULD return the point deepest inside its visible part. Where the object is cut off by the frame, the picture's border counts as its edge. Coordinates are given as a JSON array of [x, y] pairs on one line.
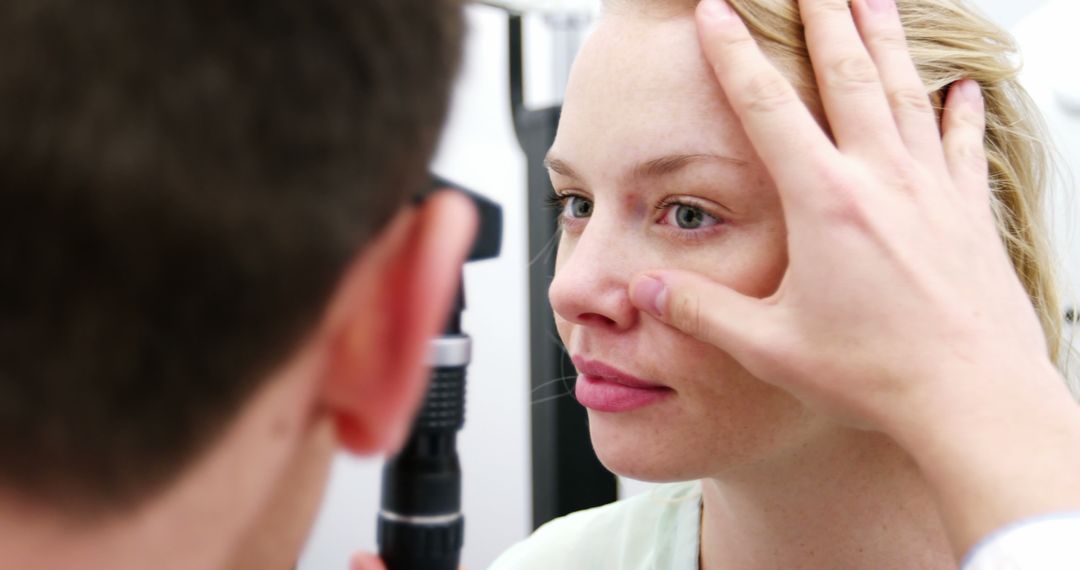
[[641, 87]]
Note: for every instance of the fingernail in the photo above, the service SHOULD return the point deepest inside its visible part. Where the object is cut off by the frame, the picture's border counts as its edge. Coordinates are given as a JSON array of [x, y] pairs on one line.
[[880, 5], [717, 9], [971, 91], [648, 294]]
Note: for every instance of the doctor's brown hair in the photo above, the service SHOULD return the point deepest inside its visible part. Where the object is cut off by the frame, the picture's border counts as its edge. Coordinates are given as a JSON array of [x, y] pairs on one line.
[[181, 186]]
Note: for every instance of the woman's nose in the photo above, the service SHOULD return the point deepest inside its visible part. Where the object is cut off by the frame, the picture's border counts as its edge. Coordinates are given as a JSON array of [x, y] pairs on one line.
[[591, 279]]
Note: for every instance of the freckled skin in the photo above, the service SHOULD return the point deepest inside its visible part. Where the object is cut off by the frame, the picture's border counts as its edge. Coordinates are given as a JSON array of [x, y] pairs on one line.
[[782, 487], [641, 89]]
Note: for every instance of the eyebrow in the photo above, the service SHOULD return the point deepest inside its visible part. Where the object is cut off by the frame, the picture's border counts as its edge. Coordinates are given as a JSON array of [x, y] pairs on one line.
[[653, 168], [559, 167]]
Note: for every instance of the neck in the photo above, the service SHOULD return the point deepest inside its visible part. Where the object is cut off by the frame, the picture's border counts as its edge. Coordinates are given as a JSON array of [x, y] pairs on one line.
[[199, 521], [847, 500]]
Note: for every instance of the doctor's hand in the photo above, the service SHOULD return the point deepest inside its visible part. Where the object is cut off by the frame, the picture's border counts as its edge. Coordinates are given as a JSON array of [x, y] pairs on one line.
[[366, 561], [369, 561], [900, 310]]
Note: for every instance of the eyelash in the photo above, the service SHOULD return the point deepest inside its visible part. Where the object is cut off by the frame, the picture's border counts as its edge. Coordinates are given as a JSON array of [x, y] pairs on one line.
[[557, 201]]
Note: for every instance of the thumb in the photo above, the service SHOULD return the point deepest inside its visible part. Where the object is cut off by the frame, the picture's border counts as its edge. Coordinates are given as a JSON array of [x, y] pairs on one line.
[[701, 308]]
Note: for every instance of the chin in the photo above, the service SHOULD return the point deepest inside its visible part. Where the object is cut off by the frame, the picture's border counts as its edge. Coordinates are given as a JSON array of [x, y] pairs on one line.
[[669, 442], [644, 471], [645, 451]]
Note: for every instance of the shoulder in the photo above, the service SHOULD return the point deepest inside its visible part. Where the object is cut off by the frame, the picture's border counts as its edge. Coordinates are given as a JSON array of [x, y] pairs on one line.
[[658, 529], [1046, 542]]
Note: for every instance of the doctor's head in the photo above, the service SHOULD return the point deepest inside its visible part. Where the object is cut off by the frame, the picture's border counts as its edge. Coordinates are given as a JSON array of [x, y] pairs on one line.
[[653, 170], [211, 278]]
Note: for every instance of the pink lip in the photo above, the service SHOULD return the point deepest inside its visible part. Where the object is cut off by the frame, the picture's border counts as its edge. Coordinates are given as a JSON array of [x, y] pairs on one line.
[[603, 388]]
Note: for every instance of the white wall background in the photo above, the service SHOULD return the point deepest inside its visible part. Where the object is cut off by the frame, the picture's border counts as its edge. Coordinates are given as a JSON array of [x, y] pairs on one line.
[[1051, 75], [480, 151]]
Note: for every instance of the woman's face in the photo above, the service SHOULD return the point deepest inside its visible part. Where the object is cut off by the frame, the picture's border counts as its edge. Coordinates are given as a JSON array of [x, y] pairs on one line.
[[656, 172]]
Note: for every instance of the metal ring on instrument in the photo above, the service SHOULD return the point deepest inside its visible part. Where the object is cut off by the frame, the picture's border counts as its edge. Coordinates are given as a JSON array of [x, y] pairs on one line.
[[447, 351]]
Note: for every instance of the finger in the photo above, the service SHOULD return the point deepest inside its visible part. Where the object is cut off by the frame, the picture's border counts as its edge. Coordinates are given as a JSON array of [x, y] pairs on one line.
[[781, 128], [366, 561], [848, 80], [964, 128], [702, 308], [879, 24]]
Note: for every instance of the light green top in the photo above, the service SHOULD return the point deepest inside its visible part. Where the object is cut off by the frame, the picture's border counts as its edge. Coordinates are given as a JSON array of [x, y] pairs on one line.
[[657, 530]]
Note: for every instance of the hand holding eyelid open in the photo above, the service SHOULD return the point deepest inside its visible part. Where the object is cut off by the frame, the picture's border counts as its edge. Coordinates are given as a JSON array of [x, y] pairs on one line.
[[896, 270], [900, 310]]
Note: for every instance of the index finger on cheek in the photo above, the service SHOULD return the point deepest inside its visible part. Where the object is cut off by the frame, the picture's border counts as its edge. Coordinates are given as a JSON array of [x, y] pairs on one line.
[[778, 123]]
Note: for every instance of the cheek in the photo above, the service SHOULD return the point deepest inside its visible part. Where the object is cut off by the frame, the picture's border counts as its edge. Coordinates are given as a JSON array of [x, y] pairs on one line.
[[760, 266], [750, 259], [562, 252], [565, 328]]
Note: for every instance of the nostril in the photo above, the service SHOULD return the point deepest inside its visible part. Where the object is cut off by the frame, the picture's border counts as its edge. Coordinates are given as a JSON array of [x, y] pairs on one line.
[[595, 319]]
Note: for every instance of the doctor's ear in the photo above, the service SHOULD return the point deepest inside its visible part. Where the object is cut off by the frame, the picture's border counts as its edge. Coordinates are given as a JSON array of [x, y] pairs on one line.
[[393, 300]]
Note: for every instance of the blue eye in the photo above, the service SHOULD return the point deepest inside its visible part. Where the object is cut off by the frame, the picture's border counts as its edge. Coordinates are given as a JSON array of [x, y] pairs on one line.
[[577, 207], [687, 217]]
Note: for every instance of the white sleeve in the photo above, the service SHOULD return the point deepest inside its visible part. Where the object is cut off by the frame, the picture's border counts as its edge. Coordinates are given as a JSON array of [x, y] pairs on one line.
[[1045, 543]]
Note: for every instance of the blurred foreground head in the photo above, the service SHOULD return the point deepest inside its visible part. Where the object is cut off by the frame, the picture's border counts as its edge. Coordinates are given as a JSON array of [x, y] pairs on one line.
[[183, 185]]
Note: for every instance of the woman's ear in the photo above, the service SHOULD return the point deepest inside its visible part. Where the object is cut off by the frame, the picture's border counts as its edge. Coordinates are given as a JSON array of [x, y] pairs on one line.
[[395, 298]]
